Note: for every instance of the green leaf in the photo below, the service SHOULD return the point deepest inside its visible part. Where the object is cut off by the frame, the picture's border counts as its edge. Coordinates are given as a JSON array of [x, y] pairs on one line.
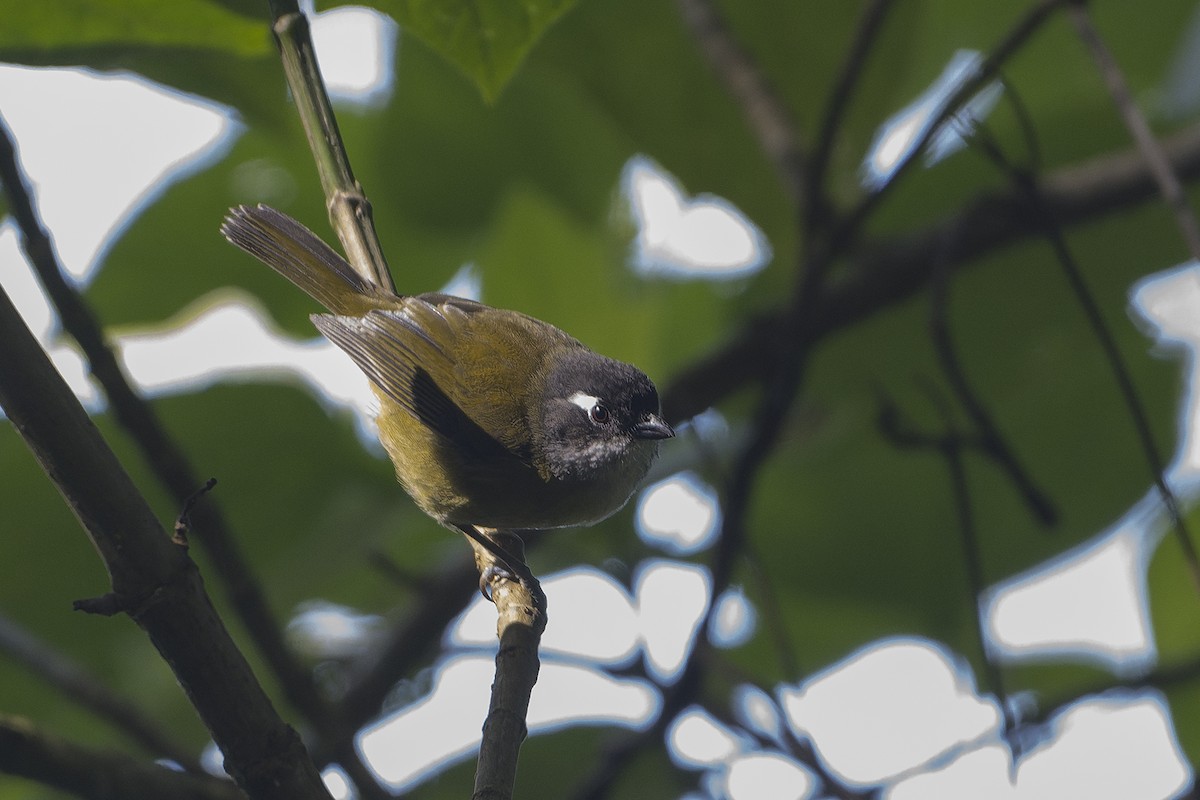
[[216, 49], [486, 39], [59, 24]]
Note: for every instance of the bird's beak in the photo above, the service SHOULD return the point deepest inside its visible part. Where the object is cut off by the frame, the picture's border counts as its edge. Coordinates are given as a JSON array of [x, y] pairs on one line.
[[653, 427]]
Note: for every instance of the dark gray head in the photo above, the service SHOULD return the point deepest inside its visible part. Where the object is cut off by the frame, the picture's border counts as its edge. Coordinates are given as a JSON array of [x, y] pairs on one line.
[[600, 420]]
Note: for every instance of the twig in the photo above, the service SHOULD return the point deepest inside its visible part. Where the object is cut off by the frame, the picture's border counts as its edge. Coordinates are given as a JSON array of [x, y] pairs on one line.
[[521, 620], [1043, 216], [990, 441], [398, 576], [97, 774], [373, 677], [349, 209], [869, 26], [950, 445], [1163, 677], [1160, 167], [183, 523], [786, 367], [787, 742], [153, 580], [612, 762], [1033, 153], [802, 323], [1014, 40], [767, 596], [797, 328], [167, 460], [74, 681], [893, 269], [888, 271], [761, 106], [797, 325]]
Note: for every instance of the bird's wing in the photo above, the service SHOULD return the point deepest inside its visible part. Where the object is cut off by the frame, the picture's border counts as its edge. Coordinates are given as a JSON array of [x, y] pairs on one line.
[[413, 353]]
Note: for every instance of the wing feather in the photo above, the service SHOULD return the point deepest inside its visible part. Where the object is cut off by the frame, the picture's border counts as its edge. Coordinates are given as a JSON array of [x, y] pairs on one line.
[[408, 352]]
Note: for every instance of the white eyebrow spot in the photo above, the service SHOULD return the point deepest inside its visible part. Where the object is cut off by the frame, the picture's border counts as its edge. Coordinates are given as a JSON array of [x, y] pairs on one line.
[[585, 401]]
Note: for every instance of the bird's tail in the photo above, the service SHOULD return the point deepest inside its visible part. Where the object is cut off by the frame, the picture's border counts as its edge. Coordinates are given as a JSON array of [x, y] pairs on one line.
[[299, 255]]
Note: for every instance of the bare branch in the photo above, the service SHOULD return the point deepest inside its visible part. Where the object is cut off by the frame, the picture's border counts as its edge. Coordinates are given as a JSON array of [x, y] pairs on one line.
[[869, 27], [950, 445], [1017, 37], [153, 580], [521, 612], [1160, 167], [78, 684], [167, 460], [991, 442], [613, 761], [409, 643], [765, 112], [886, 272], [348, 206], [799, 326], [1073, 272], [1163, 677], [97, 774]]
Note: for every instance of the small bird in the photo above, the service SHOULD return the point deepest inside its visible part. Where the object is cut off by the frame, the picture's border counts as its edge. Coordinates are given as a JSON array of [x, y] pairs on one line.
[[493, 419]]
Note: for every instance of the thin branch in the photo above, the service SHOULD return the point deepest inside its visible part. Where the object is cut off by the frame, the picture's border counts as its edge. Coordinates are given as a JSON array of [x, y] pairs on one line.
[[1025, 124], [1163, 678], [1052, 230], [1160, 167], [889, 271], [787, 741], [1016, 38], [797, 329], [808, 317], [153, 580], [613, 761], [950, 444], [75, 682], [763, 109], [767, 599], [990, 441], [408, 645], [869, 26], [98, 774], [166, 458], [349, 209], [1129, 394], [521, 612], [973, 561]]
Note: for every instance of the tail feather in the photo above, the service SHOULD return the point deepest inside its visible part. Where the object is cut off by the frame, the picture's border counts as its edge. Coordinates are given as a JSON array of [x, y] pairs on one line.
[[299, 255]]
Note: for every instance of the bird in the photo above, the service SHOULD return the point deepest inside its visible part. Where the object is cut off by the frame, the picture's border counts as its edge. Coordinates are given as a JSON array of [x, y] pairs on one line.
[[493, 419]]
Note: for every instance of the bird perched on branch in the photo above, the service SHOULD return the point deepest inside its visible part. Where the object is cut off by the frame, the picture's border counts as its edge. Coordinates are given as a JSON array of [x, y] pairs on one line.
[[493, 419]]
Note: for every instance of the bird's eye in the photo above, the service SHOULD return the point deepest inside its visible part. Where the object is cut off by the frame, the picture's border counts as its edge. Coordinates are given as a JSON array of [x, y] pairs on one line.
[[599, 414], [593, 406]]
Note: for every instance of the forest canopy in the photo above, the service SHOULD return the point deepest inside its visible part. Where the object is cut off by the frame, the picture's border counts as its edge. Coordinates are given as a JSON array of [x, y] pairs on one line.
[[916, 283]]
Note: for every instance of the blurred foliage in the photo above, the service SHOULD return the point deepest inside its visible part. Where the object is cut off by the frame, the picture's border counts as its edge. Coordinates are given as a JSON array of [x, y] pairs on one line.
[[485, 39], [520, 178]]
